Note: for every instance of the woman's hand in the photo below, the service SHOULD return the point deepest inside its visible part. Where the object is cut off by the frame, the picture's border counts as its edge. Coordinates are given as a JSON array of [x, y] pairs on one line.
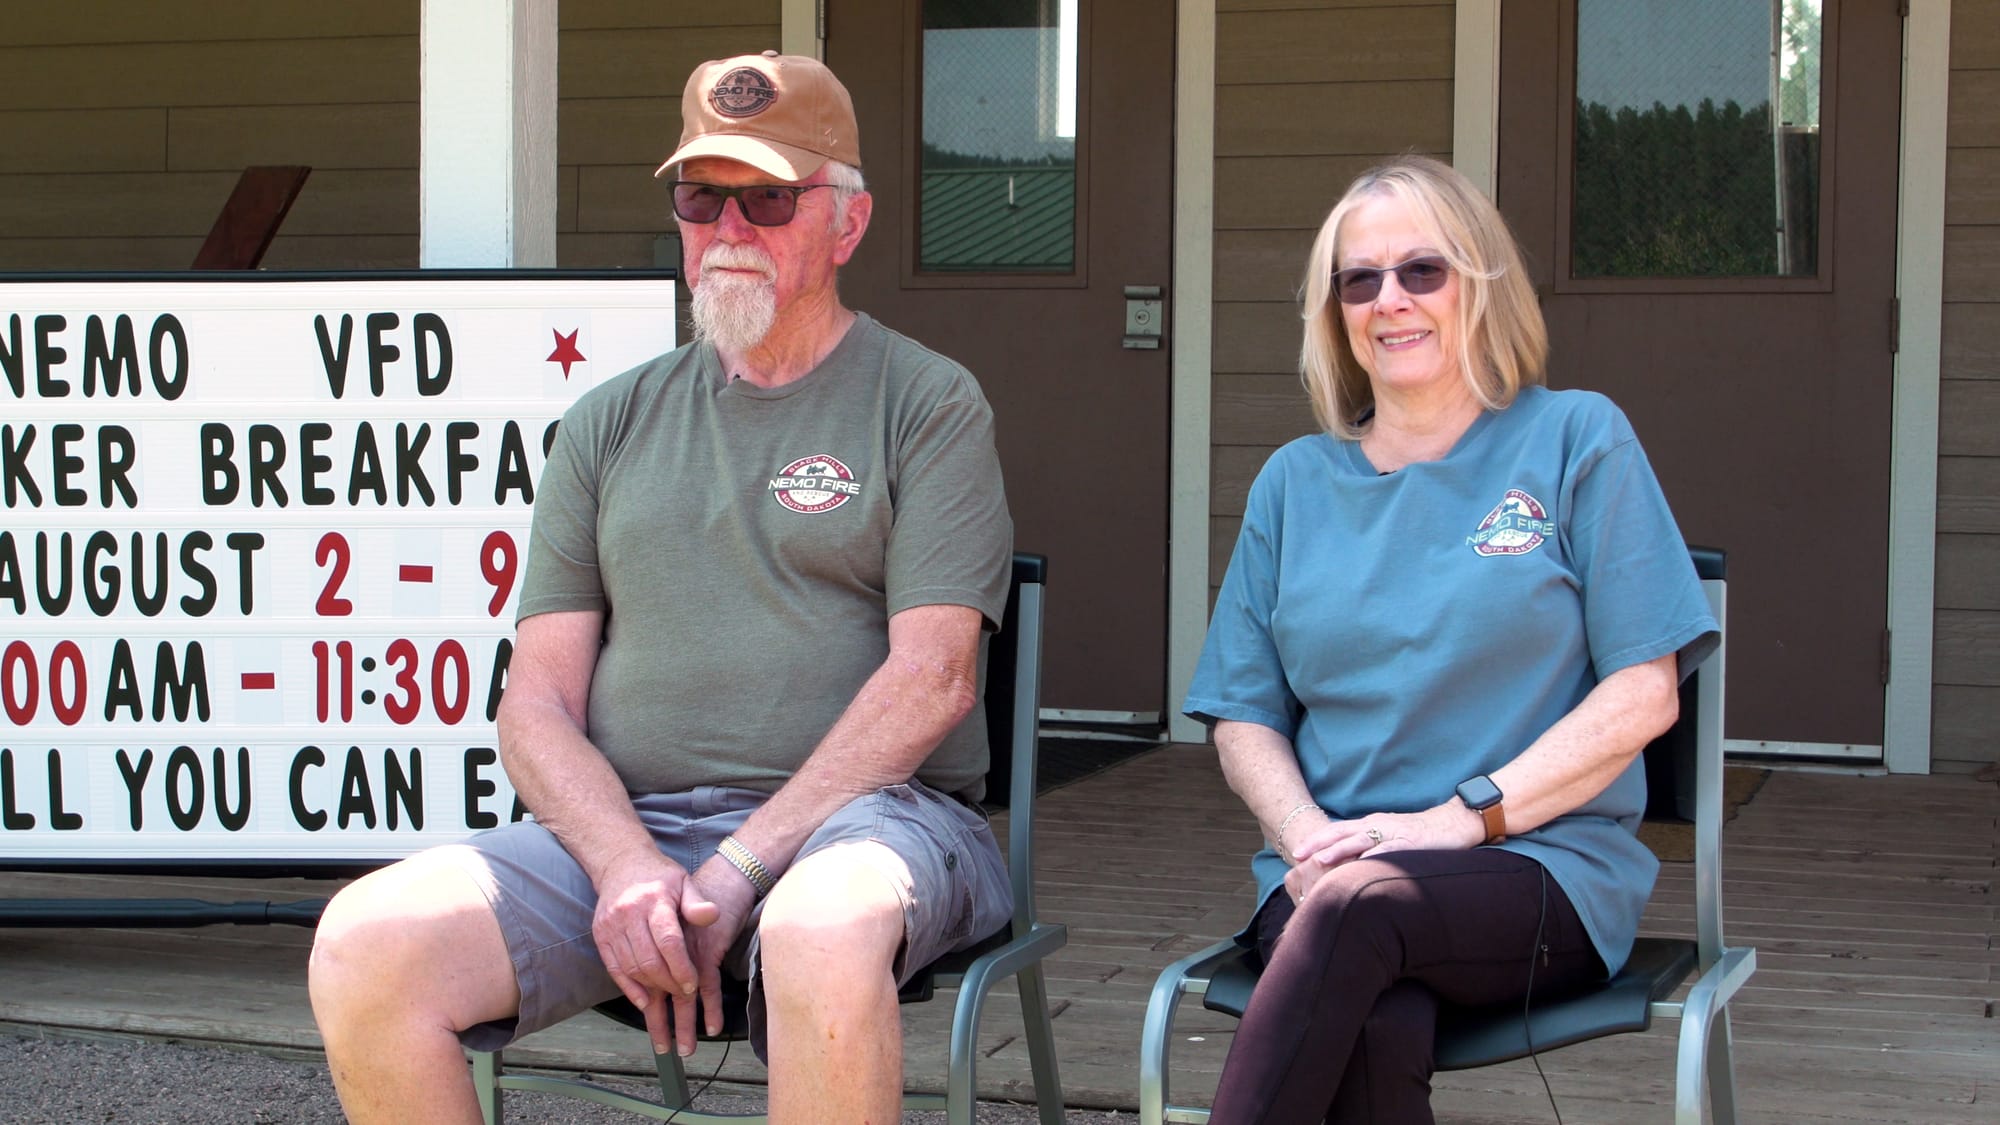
[[1447, 827]]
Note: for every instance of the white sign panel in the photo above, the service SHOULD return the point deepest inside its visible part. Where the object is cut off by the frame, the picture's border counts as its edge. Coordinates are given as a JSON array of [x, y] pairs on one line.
[[261, 547]]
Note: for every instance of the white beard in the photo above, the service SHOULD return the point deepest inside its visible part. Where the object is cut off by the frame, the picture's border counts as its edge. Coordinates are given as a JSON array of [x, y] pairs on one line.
[[733, 312]]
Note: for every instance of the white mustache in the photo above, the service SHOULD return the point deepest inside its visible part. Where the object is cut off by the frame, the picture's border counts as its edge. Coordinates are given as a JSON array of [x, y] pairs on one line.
[[723, 257]]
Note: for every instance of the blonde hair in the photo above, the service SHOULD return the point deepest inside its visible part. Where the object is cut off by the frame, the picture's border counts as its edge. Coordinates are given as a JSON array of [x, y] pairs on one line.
[[1503, 344]]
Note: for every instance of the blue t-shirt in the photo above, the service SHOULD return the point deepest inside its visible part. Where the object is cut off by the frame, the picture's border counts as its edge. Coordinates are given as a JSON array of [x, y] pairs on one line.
[[1408, 631]]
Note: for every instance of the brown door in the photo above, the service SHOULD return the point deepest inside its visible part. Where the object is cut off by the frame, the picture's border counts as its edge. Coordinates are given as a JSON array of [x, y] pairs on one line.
[[992, 246], [1730, 285]]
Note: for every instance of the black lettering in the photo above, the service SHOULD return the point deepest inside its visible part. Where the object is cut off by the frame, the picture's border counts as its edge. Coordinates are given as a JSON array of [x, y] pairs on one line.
[[60, 819], [503, 655], [197, 605], [48, 354], [246, 544], [312, 463], [549, 437], [218, 470], [232, 819], [135, 781], [365, 473], [184, 763], [54, 602], [381, 353], [335, 358], [12, 819], [312, 820], [100, 583], [409, 469], [405, 791], [477, 787], [149, 604], [512, 475], [426, 326], [119, 355], [10, 358], [14, 464], [168, 327], [457, 462], [12, 587], [122, 688], [67, 464], [186, 682], [356, 797], [116, 454], [267, 455], [520, 811]]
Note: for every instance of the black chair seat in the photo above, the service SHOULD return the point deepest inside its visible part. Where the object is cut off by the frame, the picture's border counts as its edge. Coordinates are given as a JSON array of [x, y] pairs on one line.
[[1470, 1037]]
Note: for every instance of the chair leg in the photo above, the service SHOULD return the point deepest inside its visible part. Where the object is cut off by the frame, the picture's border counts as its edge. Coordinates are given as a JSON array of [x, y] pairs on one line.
[[1033, 986], [486, 1084], [1721, 1071]]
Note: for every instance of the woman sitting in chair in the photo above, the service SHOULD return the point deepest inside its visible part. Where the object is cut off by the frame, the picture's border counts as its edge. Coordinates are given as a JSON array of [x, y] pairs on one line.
[[1451, 623]]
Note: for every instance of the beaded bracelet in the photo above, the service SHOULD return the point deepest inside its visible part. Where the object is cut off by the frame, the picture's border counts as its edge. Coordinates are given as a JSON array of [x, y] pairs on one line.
[[744, 860]]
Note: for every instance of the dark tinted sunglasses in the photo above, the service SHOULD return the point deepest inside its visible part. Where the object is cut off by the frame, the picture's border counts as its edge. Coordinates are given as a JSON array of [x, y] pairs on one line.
[[1359, 285], [765, 205]]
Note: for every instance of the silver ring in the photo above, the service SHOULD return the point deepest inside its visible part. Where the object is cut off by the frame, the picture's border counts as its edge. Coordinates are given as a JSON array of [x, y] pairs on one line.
[[1375, 834]]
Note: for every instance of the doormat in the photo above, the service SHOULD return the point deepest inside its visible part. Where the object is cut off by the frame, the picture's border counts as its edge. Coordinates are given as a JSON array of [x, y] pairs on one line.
[[1066, 761], [1673, 841]]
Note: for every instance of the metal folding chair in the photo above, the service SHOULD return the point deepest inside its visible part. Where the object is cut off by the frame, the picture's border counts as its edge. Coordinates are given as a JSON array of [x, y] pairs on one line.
[[1223, 978], [1013, 701]]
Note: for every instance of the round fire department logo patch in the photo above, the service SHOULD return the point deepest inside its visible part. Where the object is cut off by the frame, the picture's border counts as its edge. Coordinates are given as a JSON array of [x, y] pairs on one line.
[[743, 92], [819, 483], [1515, 526]]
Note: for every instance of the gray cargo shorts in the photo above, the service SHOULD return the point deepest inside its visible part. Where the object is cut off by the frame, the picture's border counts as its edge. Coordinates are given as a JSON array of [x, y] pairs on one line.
[[954, 894]]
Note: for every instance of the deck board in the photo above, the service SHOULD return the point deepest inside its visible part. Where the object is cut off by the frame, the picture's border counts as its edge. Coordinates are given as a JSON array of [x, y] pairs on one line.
[[1870, 899]]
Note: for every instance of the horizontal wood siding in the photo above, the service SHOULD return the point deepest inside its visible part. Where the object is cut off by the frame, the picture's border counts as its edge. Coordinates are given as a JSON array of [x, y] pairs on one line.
[[1308, 94], [124, 125], [1965, 722]]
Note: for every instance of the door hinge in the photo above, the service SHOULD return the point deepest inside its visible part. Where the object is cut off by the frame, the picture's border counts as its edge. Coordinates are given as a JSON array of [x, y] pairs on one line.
[[1885, 658], [1895, 325], [1903, 8]]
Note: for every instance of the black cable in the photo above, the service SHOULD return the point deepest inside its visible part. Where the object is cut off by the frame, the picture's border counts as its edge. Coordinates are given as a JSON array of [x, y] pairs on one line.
[[1528, 1002], [710, 1081]]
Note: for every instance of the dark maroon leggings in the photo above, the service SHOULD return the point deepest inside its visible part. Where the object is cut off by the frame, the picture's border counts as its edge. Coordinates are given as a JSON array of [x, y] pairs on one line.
[[1341, 1025]]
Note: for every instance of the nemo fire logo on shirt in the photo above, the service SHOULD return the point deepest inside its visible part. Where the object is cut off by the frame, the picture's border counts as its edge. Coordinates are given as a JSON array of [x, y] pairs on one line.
[[1515, 526], [819, 483]]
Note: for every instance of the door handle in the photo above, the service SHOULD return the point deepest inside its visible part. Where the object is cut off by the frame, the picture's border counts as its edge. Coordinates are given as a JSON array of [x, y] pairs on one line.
[[1145, 316]]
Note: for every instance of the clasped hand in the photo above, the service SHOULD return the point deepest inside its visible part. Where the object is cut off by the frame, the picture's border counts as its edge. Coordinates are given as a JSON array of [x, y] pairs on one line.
[[1339, 842], [662, 934]]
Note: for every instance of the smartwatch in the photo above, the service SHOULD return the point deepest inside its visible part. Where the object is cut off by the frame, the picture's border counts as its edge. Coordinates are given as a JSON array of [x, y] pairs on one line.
[[1483, 797]]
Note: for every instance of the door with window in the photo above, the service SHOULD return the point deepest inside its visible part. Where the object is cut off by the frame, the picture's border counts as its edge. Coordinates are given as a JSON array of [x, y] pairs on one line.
[[1021, 157], [1706, 190]]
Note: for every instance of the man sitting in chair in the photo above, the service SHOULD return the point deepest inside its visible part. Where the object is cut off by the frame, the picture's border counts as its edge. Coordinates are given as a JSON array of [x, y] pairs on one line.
[[743, 705]]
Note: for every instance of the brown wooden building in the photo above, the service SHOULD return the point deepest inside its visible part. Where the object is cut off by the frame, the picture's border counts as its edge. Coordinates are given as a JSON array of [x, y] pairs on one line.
[[1830, 412]]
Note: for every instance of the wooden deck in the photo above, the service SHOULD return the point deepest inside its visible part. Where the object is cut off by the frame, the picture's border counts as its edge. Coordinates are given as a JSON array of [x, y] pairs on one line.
[[1870, 900]]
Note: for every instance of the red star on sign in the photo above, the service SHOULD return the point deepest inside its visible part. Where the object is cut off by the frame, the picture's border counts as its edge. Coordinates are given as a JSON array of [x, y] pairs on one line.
[[566, 352]]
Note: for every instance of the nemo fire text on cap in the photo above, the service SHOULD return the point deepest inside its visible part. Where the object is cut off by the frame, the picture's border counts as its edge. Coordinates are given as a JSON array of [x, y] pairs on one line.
[[781, 114]]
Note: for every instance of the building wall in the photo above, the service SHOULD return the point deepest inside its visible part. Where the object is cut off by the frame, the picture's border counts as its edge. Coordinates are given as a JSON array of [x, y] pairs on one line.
[[123, 126], [1965, 723], [1308, 94]]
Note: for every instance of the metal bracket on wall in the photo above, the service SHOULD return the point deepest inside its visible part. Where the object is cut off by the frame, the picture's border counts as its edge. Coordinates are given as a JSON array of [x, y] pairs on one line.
[[1144, 316]]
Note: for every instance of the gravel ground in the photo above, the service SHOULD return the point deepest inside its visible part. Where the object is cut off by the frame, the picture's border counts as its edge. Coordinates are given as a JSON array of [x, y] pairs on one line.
[[51, 1080]]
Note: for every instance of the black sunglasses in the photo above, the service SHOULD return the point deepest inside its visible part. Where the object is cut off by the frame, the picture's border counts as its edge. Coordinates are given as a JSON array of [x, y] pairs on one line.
[[765, 205], [1359, 285]]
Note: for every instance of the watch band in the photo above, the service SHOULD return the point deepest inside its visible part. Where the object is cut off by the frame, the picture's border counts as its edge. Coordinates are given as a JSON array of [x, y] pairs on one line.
[[1495, 815]]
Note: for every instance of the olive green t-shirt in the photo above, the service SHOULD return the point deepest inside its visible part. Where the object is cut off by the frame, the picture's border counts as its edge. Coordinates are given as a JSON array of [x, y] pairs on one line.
[[747, 546]]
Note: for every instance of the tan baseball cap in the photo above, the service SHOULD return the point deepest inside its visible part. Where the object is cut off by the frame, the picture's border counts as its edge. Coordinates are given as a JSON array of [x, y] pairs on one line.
[[782, 114]]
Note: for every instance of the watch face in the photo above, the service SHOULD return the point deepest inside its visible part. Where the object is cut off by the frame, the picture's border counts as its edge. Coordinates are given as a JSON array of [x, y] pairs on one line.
[[1479, 792]]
